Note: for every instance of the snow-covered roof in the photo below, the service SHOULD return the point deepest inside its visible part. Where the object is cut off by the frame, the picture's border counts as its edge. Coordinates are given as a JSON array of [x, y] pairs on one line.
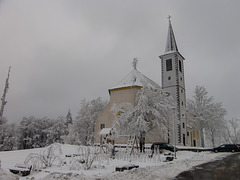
[[105, 131], [135, 78]]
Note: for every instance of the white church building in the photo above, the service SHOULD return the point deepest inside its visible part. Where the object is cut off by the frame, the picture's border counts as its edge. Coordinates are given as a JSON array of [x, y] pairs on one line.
[[173, 82]]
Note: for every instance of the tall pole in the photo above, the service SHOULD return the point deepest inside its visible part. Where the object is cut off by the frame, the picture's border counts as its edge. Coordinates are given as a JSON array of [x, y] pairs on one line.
[[3, 99], [174, 132]]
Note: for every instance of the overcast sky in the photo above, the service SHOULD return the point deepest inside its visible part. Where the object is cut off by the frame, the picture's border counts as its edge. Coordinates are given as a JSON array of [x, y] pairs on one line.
[[62, 51]]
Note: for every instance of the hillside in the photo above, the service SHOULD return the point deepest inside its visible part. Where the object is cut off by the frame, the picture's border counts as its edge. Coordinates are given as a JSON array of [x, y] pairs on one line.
[[103, 166]]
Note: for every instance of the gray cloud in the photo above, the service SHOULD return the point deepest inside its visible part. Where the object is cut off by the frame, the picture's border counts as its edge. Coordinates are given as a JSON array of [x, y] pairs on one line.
[[64, 51]]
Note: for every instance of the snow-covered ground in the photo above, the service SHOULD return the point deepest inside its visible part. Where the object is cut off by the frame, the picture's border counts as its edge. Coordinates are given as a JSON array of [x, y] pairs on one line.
[[104, 167]]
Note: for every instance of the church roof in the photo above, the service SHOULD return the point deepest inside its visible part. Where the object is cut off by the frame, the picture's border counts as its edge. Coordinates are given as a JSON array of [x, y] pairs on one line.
[[171, 44], [135, 78]]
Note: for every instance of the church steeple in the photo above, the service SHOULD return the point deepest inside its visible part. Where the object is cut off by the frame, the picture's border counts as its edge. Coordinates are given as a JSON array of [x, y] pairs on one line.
[[171, 44], [173, 82]]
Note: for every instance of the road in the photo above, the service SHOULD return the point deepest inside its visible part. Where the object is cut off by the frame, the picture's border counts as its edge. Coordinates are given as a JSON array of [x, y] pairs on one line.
[[224, 169]]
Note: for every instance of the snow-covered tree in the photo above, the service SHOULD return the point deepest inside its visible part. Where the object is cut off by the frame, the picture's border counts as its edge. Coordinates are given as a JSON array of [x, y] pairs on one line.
[[69, 119], [8, 137], [216, 122], [33, 132], [82, 129], [57, 131], [209, 114], [39, 132], [151, 111], [3, 120], [232, 133]]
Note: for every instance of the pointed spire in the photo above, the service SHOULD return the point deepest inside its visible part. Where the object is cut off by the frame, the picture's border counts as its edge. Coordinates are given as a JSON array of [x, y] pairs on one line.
[[171, 42]]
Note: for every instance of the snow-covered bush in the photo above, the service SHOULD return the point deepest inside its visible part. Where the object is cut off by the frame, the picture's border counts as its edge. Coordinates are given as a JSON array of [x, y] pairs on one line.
[[46, 157], [34, 159], [84, 158], [50, 154]]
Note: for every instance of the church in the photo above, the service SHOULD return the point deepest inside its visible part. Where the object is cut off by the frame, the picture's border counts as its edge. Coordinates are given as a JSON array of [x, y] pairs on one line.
[[185, 131]]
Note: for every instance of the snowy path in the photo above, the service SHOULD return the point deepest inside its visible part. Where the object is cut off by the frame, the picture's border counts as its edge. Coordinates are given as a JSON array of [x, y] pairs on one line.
[[168, 170]]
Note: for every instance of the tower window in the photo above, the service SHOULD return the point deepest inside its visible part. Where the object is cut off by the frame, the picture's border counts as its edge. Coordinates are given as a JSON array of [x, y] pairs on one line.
[[169, 64], [180, 66], [169, 77]]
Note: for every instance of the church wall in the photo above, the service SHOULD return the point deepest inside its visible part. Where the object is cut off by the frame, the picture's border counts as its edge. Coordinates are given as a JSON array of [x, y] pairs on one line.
[[156, 135], [106, 119], [193, 136], [127, 94], [117, 96]]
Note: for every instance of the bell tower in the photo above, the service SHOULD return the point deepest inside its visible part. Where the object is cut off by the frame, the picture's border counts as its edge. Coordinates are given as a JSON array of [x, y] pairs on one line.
[[173, 82]]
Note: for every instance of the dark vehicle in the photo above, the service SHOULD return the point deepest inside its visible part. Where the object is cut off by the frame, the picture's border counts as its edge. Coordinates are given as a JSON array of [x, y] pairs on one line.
[[227, 148], [162, 146]]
